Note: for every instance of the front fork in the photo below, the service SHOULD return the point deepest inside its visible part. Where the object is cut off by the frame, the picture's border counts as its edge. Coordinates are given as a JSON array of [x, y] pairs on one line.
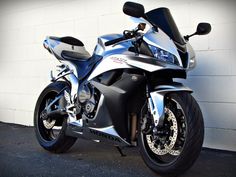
[[156, 100]]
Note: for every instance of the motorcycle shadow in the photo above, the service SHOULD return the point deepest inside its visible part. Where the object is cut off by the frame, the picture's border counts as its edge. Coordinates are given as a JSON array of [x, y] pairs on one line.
[[210, 163]]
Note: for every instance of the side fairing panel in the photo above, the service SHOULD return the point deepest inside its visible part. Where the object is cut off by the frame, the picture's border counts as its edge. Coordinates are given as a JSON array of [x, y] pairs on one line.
[[110, 63], [131, 61], [117, 98]]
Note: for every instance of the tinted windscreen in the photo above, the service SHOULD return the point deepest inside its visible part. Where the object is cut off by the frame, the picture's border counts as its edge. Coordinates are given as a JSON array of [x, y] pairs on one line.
[[162, 18]]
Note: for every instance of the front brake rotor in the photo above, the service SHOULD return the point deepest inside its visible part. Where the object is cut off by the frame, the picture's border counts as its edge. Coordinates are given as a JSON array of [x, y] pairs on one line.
[[166, 147]]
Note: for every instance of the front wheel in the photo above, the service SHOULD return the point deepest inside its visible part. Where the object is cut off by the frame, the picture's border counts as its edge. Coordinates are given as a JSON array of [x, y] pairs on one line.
[[174, 147]]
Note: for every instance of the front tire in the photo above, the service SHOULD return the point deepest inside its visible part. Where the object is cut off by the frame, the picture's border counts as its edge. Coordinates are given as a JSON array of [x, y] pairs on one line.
[[158, 151], [50, 133]]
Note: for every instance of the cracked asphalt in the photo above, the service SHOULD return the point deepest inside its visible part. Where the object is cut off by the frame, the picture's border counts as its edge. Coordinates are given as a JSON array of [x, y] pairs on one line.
[[22, 156]]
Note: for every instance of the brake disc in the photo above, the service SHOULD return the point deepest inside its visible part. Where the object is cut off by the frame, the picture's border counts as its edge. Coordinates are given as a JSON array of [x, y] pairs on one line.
[[170, 142], [47, 122]]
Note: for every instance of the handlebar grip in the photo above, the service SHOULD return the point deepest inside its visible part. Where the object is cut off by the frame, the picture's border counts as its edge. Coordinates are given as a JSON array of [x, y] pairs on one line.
[[114, 41]]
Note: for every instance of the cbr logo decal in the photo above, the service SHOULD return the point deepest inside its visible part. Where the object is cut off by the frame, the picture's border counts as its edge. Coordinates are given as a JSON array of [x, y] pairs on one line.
[[118, 60]]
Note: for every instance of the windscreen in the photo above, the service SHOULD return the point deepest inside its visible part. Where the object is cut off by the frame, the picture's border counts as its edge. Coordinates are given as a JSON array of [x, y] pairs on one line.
[[162, 18]]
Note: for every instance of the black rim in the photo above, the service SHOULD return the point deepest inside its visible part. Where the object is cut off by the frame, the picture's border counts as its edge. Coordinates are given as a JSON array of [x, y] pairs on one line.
[[49, 128], [161, 137]]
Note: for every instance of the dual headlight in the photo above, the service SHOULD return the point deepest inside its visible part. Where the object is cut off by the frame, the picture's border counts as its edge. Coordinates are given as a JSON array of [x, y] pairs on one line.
[[163, 55]]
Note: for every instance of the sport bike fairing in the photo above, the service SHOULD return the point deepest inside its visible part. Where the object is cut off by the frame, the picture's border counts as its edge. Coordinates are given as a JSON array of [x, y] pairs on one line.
[[111, 58]]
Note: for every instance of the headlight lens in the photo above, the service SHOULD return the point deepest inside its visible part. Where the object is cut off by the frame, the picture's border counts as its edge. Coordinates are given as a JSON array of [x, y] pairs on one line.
[[163, 55], [192, 63]]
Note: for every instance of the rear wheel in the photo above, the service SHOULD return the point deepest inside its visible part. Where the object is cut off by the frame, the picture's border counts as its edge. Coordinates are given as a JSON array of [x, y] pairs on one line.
[[174, 147], [50, 132]]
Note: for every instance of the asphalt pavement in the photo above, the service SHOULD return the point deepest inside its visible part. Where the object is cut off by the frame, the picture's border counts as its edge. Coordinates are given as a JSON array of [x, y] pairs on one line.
[[21, 155]]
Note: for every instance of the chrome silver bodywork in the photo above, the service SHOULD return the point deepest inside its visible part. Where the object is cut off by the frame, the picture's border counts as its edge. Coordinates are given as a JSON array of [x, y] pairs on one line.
[[127, 60], [161, 40], [119, 52], [57, 47], [66, 72], [110, 63], [115, 57], [156, 101]]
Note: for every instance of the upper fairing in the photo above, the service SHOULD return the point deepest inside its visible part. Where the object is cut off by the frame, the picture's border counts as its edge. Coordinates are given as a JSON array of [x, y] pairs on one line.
[[161, 40]]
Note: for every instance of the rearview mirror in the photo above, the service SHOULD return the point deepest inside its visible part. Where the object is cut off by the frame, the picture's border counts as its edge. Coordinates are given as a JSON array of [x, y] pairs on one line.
[[203, 28], [133, 9]]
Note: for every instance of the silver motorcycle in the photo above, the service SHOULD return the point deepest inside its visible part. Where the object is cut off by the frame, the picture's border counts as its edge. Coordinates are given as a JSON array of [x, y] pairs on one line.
[[125, 93]]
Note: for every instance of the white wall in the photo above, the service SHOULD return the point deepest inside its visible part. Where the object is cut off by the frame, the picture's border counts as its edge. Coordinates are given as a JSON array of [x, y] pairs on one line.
[[25, 64]]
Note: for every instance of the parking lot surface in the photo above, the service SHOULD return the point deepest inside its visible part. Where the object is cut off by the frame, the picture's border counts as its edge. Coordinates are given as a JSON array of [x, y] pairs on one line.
[[21, 155]]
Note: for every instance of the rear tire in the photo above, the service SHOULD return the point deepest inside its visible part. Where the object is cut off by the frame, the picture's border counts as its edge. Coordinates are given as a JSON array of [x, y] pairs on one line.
[[192, 144], [54, 143]]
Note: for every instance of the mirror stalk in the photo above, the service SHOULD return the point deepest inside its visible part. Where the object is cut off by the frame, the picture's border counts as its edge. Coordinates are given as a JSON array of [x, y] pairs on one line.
[[188, 36]]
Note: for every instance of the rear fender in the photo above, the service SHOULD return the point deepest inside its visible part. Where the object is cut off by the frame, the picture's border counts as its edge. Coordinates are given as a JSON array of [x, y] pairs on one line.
[[156, 100]]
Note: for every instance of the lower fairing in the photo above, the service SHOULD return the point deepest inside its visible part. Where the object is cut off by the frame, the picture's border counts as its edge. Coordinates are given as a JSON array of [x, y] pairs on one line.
[[123, 92], [105, 134], [121, 95], [118, 100]]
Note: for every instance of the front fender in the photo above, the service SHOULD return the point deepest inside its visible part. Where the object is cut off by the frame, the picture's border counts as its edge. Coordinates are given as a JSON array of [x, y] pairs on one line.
[[156, 100]]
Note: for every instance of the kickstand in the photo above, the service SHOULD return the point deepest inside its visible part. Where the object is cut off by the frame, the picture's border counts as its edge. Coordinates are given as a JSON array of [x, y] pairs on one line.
[[120, 151]]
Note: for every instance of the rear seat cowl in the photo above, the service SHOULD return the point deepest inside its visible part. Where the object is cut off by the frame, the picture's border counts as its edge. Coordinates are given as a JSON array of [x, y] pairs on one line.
[[68, 40]]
